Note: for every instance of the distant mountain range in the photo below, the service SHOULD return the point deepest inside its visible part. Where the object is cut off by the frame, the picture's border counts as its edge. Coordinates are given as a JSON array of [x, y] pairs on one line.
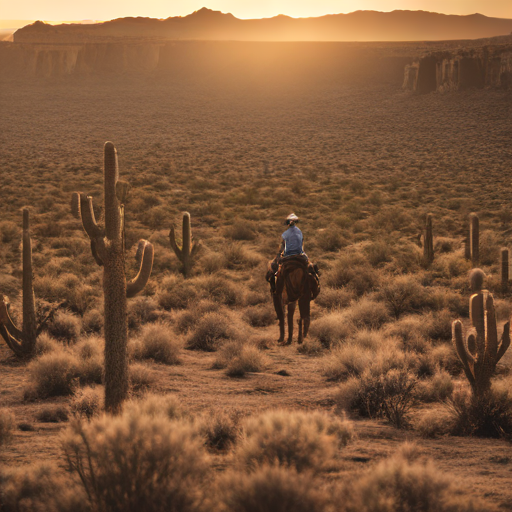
[[206, 24]]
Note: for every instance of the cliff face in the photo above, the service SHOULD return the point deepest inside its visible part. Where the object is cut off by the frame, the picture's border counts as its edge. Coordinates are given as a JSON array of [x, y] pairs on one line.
[[489, 66]]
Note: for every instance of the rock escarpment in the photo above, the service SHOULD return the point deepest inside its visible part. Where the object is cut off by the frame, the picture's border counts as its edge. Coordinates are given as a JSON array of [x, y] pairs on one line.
[[488, 66]]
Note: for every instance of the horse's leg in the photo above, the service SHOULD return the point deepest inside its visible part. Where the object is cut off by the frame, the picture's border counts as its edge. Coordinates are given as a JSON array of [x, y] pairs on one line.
[[304, 308], [299, 322], [278, 306], [291, 311]]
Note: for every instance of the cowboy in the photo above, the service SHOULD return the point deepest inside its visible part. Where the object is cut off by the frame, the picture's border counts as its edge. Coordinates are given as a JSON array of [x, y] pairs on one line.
[[292, 240]]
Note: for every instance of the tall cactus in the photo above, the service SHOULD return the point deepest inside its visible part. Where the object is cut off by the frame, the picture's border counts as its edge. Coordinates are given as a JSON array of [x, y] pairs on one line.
[[428, 246], [188, 249], [480, 351], [474, 239], [23, 342], [107, 247], [504, 268]]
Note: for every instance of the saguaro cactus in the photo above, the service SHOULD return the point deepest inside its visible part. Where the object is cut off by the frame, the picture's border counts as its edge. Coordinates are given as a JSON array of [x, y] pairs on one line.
[[188, 249], [107, 247], [480, 351], [428, 246], [474, 238], [504, 268], [23, 342]]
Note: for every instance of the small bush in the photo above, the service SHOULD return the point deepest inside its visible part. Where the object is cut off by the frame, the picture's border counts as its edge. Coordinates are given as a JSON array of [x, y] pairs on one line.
[[348, 360], [487, 416], [220, 430], [260, 316], [436, 389], [219, 289], [331, 240], [176, 293], [241, 230], [238, 256], [310, 347], [46, 344], [434, 423], [6, 425], [366, 314], [92, 321], [65, 326], [142, 377], [53, 414], [330, 329], [331, 298], [402, 294], [137, 462], [249, 359], [142, 310], [292, 438], [55, 374], [402, 484], [354, 272], [40, 488], [185, 320], [271, 489], [86, 402], [168, 406], [158, 342], [211, 330]]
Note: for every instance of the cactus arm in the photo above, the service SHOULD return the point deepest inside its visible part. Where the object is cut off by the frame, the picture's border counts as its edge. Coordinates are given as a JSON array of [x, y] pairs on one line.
[[137, 284], [478, 320], [11, 341], [6, 321], [174, 245], [29, 307], [186, 234], [465, 357], [88, 220], [95, 254], [491, 330], [505, 341]]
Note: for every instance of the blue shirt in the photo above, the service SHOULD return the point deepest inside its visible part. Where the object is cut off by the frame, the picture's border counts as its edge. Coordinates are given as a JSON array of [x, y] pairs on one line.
[[292, 241]]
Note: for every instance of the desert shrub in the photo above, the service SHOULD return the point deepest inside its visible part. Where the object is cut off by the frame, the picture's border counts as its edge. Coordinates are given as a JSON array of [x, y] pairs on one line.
[[347, 360], [53, 413], [402, 294], [379, 252], [89, 347], [45, 344], [489, 415], [310, 347], [240, 230], [6, 425], [175, 293], [388, 395], [55, 374], [219, 289], [331, 298], [65, 326], [220, 430], [447, 359], [271, 489], [438, 388], [330, 329], [293, 438], [331, 240], [249, 359], [440, 325], [366, 313], [490, 246], [158, 342], [93, 320], [168, 406], [412, 331], [212, 262], [86, 402], [353, 272], [371, 339], [189, 318], [401, 484], [40, 487], [142, 310], [142, 377], [451, 265], [434, 423], [9, 232], [237, 256], [211, 330], [137, 462], [260, 316]]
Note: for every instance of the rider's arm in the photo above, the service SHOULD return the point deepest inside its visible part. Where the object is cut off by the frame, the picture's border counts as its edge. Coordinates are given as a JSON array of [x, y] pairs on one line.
[[281, 248]]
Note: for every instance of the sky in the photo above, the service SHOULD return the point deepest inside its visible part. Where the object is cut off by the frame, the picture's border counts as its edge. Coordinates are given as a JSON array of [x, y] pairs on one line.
[[109, 9]]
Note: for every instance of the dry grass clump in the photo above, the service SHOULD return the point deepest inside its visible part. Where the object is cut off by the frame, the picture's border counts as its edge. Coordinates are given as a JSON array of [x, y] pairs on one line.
[[87, 402], [375, 395], [352, 271], [142, 310], [260, 316], [347, 360], [330, 329], [45, 344], [219, 289], [209, 333], [240, 230], [239, 358], [237, 256], [293, 439], [141, 376], [310, 347], [65, 326], [366, 313], [187, 319], [40, 487], [175, 292], [487, 416], [402, 483], [137, 462], [220, 430], [402, 294], [168, 406], [273, 489], [331, 240], [53, 413], [334, 298], [434, 423], [6, 425], [157, 342], [435, 389], [92, 321]]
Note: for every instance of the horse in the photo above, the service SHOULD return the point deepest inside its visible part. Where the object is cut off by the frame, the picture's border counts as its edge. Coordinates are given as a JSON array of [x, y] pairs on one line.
[[293, 283]]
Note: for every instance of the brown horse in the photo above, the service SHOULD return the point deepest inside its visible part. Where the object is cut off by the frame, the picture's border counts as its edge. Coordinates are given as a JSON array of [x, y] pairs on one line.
[[293, 284]]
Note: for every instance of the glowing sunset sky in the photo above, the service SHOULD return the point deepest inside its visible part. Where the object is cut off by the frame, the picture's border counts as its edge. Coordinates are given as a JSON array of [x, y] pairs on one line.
[[108, 9]]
